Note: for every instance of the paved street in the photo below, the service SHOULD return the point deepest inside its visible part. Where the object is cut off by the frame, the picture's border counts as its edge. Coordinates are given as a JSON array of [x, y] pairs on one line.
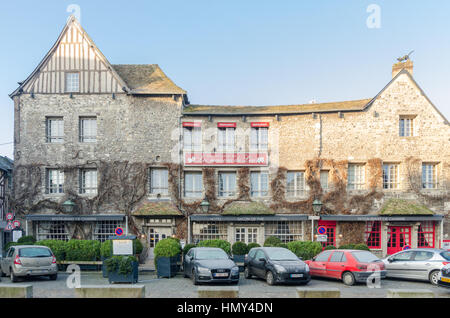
[[180, 287]]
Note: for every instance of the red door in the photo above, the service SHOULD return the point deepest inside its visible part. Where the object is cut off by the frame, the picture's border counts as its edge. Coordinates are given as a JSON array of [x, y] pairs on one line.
[[331, 232], [398, 238]]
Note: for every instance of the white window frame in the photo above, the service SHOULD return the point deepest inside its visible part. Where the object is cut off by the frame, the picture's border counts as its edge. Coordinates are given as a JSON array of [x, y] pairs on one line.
[[52, 230], [226, 138], [227, 188], [72, 82], [161, 175], [88, 181], [391, 179], [324, 185], [406, 126], [359, 174], [259, 138], [259, 191], [58, 187], [197, 186], [192, 139], [54, 129], [430, 179], [88, 129], [106, 228], [299, 188]]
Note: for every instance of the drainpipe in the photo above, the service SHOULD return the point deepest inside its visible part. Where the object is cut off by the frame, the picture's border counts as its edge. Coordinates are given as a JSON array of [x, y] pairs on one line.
[[441, 240], [189, 230], [126, 225]]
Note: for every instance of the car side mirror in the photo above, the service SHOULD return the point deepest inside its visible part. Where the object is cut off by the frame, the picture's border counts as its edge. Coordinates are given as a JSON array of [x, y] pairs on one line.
[[390, 260], [300, 258]]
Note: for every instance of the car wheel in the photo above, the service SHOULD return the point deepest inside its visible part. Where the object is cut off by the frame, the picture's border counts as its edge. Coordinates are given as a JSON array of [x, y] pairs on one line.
[[2, 274], [247, 274], [348, 278], [53, 277], [434, 277], [269, 278], [13, 277], [194, 277]]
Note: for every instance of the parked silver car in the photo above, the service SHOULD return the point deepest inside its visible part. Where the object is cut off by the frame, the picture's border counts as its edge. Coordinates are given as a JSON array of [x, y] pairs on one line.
[[417, 264], [28, 260]]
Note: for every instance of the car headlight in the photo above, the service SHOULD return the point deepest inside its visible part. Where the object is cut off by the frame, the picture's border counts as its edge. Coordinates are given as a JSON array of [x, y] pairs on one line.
[[279, 268], [235, 270], [203, 270], [307, 268]]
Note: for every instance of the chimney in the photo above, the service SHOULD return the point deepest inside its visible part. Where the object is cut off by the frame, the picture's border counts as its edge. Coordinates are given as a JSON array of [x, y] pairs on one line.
[[407, 65]]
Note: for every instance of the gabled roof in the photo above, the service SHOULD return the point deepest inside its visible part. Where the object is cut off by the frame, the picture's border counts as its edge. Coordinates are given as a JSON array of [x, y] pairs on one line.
[[200, 110], [147, 79], [247, 208], [70, 21]]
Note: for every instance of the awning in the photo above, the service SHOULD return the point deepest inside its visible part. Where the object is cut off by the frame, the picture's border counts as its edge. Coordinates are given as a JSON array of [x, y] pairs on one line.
[[75, 218], [247, 218], [365, 218]]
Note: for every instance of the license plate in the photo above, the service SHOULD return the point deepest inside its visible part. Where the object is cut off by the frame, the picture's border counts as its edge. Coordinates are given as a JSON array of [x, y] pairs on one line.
[[296, 275], [221, 275], [445, 280]]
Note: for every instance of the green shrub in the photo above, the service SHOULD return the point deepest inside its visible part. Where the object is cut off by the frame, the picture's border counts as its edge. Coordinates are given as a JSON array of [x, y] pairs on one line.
[[283, 245], [226, 246], [272, 241], [330, 247], [83, 250], [253, 245], [27, 240], [121, 264], [362, 247], [106, 249], [306, 250], [8, 245], [137, 246], [347, 247], [239, 248], [58, 248], [187, 247], [167, 248]]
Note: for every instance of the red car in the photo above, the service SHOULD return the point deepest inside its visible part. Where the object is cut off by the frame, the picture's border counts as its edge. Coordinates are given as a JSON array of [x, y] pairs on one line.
[[350, 266]]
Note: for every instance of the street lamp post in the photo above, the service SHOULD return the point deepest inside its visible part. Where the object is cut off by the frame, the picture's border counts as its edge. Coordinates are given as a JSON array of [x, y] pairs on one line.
[[317, 207]]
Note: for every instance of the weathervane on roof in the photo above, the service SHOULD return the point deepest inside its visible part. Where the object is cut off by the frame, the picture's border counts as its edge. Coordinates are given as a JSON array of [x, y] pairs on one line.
[[405, 58]]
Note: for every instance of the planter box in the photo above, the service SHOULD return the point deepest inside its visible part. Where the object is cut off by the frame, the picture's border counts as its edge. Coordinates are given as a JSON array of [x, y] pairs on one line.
[[115, 277], [167, 266]]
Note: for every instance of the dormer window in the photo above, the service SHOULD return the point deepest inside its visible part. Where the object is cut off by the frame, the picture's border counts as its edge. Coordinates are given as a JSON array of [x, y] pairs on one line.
[[72, 82]]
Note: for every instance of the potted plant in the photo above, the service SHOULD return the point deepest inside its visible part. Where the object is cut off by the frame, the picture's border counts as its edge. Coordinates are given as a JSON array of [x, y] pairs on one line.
[[167, 252], [239, 250], [105, 253], [137, 248], [122, 269]]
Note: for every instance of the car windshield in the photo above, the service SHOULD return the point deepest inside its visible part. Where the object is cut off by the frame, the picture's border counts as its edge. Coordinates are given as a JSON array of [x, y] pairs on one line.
[[446, 255], [34, 252], [365, 257], [211, 254], [281, 255]]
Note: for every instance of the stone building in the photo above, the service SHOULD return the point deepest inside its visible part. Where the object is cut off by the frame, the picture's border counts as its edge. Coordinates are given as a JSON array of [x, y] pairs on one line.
[[121, 145], [6, 167]]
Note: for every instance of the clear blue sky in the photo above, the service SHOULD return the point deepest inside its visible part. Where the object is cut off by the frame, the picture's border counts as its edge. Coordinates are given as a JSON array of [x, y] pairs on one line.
[[247, 52]]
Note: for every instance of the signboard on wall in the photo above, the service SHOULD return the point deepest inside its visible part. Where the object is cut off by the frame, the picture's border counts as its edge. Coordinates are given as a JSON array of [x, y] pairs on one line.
[[122, 247], [225, 159], [322, 238]]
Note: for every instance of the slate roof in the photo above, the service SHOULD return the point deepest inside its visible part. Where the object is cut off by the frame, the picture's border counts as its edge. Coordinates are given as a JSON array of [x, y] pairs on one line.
[[404, 207], [147, 79], [355, 105], [6, 164], [158, 209], [247, 208]]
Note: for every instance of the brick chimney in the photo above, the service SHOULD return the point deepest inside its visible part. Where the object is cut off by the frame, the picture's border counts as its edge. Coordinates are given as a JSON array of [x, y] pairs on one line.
[[397, 67]]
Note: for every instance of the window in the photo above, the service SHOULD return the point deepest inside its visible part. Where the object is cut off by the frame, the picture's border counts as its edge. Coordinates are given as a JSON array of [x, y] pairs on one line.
[[324, 180], [429, 176], [72, 82], [259, 138], [88, 181], [192, 138], [88, 129], [259, 186], [54, 181], [104, 229], [405, 256], [423, 256], [227, 139], [337, 257], [356, 176], [54, 230], [406, 128], [426, 235], [286, 231], [209, 231], [227, 184], [246, 234], [295, 183], [390, 176], [323, 257], [373, 234], [159, 181], [55, 129], [193, 184]]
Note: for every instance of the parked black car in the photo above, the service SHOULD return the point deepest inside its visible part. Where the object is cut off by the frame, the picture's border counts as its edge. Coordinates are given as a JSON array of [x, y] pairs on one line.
[[276, 265], [208, 264]]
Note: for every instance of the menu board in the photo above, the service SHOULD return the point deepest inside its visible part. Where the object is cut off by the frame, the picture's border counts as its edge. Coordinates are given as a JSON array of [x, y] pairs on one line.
[[122, 247]]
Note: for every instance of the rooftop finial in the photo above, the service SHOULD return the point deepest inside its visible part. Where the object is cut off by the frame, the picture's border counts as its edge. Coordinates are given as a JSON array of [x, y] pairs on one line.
[[405, 58]]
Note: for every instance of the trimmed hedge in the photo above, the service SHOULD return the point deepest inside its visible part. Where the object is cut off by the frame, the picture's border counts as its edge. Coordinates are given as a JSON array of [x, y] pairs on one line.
[[83, 250], [58, 248], [239, 248], [167, 248], [306, 250], [27, 240], [272, 241], [360, 246], [253, 245], [226, 246], [187, 247]]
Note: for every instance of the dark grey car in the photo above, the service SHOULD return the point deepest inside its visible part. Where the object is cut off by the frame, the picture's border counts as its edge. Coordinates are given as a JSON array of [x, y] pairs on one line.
[[208, 264], [276, 265], [28, 260]]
